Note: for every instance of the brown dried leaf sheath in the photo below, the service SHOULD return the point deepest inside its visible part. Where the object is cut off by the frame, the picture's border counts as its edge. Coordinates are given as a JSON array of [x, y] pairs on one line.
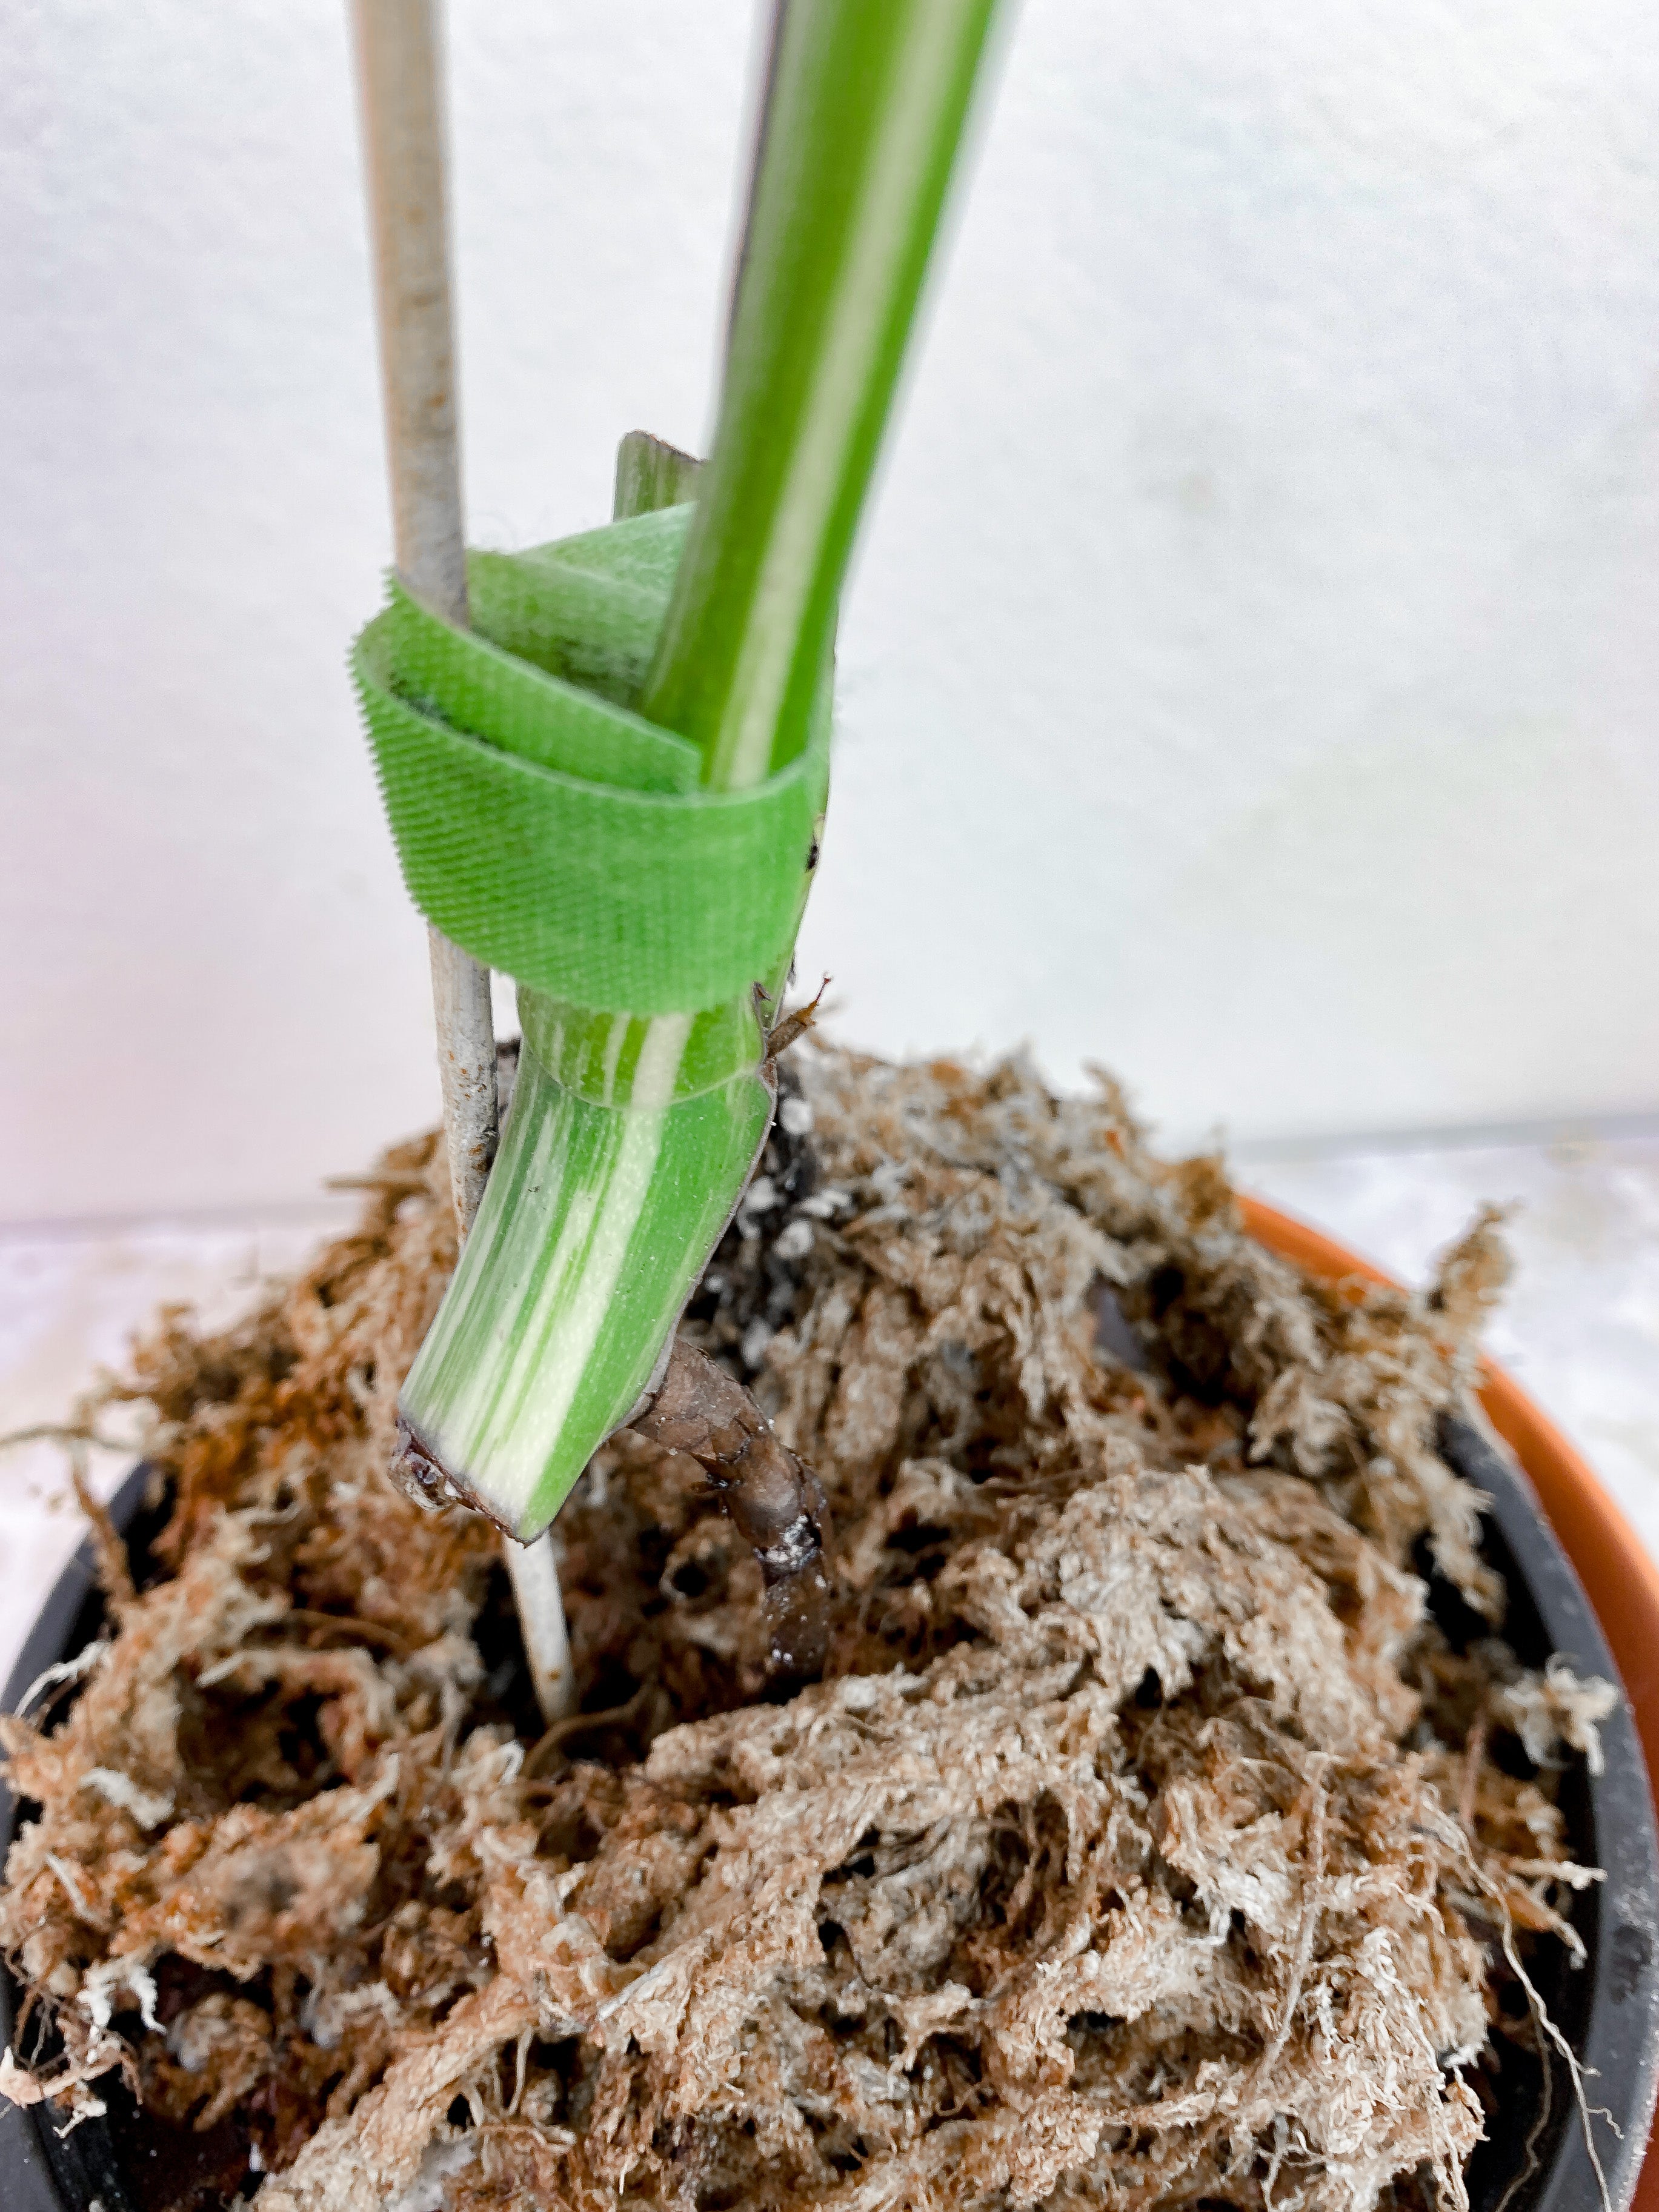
[[1126, 1856]]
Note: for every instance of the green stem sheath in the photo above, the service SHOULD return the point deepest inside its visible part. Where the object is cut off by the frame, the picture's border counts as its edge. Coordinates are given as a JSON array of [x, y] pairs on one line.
[[868, 102], [634, 1133]]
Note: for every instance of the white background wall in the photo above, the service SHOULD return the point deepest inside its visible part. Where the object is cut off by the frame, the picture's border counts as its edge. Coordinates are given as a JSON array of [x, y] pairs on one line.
[[1250, 677]]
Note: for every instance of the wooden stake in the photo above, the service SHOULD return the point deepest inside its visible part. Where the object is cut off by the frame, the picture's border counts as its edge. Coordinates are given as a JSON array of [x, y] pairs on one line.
[[466, 1071], [404, 153], [398, 77]]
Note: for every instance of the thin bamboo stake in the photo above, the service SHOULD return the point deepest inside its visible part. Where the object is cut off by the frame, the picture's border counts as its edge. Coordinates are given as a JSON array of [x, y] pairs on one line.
[[398, 77], [466, 1071], [404, 153]]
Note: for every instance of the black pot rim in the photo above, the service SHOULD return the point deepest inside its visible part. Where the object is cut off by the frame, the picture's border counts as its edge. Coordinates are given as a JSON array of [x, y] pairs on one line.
[[1618, 2046]]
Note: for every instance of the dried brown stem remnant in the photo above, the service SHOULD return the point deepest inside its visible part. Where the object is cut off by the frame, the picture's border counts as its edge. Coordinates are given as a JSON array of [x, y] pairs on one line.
[[427, 1479], [775, 1501]]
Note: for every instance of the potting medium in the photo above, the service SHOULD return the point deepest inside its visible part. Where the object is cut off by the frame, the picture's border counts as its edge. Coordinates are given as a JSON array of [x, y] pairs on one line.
[[1209, 1796]]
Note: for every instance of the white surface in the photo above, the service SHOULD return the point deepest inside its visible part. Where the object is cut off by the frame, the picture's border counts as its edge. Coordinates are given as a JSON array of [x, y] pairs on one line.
[[1579, 1327], [70, 1305], [1250, 678]]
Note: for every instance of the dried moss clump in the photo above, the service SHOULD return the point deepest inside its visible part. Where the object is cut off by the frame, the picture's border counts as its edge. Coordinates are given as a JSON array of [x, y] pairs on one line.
[[1140, 1847]]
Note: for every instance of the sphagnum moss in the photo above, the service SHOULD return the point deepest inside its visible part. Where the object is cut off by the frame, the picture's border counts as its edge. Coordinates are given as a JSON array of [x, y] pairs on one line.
[[1142, 1845]]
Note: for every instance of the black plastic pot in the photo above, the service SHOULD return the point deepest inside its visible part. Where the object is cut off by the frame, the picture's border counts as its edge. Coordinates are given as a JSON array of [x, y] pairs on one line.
[[1608, 2010]]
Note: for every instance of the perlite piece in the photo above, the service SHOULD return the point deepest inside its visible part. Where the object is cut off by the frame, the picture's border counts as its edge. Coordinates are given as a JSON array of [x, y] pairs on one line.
[[612, 786]]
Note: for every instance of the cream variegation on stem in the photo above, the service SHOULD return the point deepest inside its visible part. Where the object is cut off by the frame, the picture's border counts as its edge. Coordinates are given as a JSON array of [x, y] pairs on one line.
[[635, 704]]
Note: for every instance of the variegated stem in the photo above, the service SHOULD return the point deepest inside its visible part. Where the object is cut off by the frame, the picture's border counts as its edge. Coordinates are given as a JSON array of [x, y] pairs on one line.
[[624, 1154], [633, 1134]]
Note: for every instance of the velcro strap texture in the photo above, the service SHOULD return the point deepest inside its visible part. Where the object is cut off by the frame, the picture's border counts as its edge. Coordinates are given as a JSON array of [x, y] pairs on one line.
[[548, 829]]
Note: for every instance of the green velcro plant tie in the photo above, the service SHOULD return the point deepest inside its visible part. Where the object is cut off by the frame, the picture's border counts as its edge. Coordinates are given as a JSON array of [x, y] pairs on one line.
[[611, 786], [555, 833], [546, 827]]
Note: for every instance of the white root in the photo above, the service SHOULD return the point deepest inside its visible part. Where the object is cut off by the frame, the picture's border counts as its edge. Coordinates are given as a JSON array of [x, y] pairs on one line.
[[534, 1569]]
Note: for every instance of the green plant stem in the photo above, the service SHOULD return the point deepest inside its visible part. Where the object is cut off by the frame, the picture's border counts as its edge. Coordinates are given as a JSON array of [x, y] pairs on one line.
[[868, 102], [635, 1129]]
